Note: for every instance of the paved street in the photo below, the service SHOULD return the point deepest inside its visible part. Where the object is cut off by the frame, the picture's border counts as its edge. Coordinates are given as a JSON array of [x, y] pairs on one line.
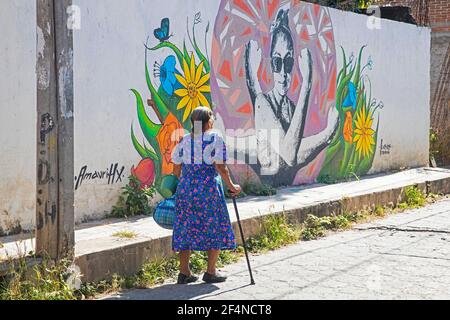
[[405, 256]]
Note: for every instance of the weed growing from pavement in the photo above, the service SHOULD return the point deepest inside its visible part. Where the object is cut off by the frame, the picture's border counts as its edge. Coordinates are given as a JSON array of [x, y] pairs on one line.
[[315, 227], [43, 281], [134, 200], [276, 233], [414, 198], [125, 234]]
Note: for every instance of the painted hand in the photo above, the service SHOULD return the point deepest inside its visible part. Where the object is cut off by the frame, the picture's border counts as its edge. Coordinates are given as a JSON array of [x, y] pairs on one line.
[[255, 55], [305, 66]]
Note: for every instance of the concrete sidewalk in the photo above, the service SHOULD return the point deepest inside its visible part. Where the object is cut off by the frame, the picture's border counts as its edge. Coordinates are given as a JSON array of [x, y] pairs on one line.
[[100, 255]]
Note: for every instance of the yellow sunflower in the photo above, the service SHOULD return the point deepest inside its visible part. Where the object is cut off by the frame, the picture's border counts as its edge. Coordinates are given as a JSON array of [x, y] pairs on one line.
[[364, 133], [194, 85]]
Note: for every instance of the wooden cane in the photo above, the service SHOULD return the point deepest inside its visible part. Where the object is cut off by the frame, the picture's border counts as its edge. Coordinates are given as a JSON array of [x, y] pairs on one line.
[[252, 281]]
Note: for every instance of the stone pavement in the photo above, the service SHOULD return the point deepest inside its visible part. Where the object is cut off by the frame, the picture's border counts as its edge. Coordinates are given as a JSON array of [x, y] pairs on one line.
[[404, 256]]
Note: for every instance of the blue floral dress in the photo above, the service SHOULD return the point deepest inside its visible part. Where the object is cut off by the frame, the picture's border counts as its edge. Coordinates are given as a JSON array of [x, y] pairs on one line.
[[202, 221]]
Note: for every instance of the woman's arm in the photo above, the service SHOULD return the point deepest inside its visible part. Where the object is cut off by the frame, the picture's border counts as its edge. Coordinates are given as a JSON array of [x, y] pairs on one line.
[[222, 169], [177, 170]]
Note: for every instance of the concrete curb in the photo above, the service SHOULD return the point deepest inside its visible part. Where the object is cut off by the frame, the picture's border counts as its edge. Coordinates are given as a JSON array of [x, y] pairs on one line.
[[128, 259]]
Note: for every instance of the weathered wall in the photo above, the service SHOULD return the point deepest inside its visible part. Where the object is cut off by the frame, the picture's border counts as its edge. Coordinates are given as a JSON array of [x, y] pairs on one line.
[[374, 120], [110, 57], [17, 114], [438, 18]]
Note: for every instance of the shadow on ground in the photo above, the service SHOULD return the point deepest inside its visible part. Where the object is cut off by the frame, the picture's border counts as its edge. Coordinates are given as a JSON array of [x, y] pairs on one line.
[[172, 292], [167, 292]]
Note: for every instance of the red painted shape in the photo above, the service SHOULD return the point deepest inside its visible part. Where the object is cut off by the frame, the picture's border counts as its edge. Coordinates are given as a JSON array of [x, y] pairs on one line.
[[304, 34], [329, 36], [325, 21], [332, 85], [322, 102], [305, 17], [264, 77], [315, 118], [258, 4], [316, 10], [295, 83], [243, 6], [247, 31], [271, 7], [265, 40], [245, 108], [225, 20], [312, 167], [241, 72], [225, 71]]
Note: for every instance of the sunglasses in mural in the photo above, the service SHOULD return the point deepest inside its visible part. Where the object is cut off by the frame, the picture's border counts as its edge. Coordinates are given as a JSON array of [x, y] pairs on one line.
[[278, 63]]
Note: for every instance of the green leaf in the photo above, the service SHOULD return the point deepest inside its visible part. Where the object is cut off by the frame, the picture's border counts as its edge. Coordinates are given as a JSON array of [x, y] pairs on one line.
[[149, 128], [143, 152], [358, 69], [201, 56], [187, 57], [171, 46]]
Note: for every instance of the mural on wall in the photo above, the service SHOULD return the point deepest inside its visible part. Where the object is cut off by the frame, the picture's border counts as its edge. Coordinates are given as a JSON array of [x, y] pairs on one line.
[[353, 148], [182, 84], [273, 67]]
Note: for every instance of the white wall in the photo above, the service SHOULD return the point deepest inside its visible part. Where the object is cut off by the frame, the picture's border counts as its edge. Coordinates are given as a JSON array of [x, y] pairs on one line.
[[109, 60], [17, 113], [400, 78]]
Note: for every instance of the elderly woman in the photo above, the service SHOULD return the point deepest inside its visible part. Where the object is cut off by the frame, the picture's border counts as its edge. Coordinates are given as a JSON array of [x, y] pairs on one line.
[[202, 222]]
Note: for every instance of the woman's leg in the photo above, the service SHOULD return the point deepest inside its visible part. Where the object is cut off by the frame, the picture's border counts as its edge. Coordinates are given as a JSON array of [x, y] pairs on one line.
[[213, 256], [184, 262]]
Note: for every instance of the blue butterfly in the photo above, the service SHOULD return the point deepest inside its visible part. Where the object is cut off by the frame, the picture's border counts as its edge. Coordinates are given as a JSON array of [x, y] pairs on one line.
[[162, 34]]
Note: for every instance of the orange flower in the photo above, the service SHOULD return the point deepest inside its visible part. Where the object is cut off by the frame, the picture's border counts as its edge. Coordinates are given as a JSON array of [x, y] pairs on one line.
[[168, 137], [348, 127]]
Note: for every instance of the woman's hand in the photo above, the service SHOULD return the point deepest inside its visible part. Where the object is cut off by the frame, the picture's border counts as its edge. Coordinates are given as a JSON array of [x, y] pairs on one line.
[[235, 189]]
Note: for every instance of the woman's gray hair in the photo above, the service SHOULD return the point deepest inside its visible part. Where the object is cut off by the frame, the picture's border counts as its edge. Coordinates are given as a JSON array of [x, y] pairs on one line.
[[203, 115]]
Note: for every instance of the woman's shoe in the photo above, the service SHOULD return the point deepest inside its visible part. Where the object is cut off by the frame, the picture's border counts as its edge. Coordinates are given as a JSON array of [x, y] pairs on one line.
[[184, 279], [213, 278]]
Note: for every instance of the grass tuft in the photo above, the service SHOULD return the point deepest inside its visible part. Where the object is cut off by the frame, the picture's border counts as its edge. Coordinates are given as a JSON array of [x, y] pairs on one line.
[[125, 234], [276, 232], [46, 281], [414, 197]]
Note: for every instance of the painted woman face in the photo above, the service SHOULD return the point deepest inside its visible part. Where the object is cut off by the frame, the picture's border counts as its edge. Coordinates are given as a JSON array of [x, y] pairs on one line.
[[282, 64]]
